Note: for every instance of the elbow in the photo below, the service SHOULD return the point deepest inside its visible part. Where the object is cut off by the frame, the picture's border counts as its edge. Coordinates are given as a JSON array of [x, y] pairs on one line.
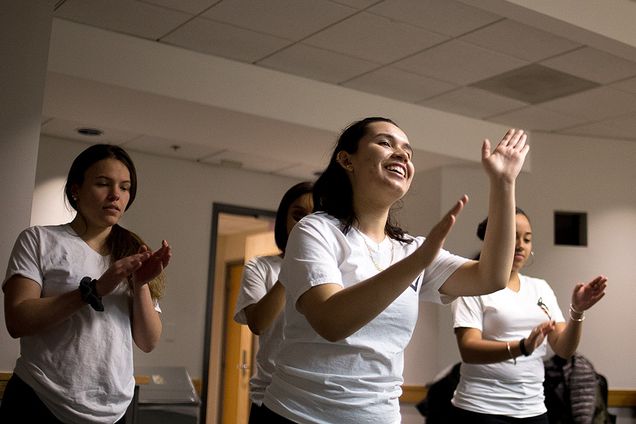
[[147, 347], [331, 333], [255, 329]]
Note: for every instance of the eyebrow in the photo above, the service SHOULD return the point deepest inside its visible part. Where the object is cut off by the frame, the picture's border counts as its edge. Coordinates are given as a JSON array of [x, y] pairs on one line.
[[407, 145]]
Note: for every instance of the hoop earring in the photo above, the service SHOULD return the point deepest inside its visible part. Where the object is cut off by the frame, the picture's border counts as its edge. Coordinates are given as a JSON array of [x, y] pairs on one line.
[[531, 257]]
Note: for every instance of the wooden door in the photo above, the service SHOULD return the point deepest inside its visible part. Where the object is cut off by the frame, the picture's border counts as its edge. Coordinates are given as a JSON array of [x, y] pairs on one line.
[[237, 363]]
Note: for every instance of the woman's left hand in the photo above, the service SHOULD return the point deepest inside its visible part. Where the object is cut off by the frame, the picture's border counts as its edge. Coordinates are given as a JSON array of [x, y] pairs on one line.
[[506, 160], [154, 265], [585, 296]]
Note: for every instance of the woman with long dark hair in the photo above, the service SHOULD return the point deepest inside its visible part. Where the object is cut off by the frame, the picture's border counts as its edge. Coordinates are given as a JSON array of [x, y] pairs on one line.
[[353, 278], [77, 296]]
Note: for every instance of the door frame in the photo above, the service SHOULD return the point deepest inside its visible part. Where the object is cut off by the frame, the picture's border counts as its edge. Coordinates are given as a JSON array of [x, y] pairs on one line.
[[218, 208]]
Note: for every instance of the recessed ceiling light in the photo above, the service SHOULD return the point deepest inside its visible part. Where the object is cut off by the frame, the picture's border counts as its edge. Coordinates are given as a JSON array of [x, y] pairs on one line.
[[89, 132]]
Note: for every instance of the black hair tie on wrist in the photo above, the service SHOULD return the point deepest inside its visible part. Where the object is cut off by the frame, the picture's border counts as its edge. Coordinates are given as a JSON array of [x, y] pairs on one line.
[[89, 295], [522, 347]]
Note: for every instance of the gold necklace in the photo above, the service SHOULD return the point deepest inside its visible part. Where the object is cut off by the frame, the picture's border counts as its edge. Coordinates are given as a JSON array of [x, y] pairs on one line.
[[378, 267]]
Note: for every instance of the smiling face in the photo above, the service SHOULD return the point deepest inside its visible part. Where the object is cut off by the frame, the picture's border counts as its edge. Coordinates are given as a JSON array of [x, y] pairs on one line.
[[104, 194], [523, 242], [381, 167]]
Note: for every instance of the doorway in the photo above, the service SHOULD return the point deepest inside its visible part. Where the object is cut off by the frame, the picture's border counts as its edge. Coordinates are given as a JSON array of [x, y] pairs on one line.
[[231, 227]]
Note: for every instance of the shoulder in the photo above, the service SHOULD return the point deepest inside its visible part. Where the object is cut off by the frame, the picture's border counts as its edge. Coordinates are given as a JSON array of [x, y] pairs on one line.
[[537, 282], [264, 262]]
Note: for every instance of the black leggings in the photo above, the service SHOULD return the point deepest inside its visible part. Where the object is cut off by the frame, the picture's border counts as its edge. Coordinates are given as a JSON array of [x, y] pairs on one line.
[[263, 415], [20, 404], [469, 417]]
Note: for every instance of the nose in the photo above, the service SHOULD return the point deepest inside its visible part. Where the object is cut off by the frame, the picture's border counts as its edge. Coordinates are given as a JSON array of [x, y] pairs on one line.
[[114, 193], [401, 153]]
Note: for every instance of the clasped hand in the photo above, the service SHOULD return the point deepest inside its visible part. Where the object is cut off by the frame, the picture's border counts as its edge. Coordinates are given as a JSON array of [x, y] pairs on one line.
[[143, 266]]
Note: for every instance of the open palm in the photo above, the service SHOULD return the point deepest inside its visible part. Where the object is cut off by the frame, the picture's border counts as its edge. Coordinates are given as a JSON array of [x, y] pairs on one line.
[[506, 160]]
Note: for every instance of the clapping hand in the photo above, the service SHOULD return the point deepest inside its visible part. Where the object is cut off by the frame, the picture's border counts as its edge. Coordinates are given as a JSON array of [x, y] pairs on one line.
[[153, 265], [584, 296]]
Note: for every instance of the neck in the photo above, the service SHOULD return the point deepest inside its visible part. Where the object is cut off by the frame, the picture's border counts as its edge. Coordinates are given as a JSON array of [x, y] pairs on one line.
[[93, 236], [514, 282], [372, 222]]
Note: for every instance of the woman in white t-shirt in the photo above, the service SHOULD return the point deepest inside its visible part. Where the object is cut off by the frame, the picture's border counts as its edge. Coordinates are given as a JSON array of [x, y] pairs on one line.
[[353, 278], [262, 297], [502, 340], [77, 296]]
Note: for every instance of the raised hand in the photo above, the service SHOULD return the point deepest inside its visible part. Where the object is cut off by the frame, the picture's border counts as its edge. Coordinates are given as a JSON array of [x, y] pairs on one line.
[[537, 335], [584, 296], [436, 237], [153, 265], [506, 160]]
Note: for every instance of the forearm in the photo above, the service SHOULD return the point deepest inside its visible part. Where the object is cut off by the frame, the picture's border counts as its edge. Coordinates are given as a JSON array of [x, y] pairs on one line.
[[261, 314], [33, 316], [495, 261], [566, 341], [344, 311], [489, 351], [146, 322]]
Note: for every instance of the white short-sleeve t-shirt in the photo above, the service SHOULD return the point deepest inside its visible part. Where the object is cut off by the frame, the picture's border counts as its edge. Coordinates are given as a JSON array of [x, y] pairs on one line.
[[358, 379], [82, 368], [505, 388], [259, 276]]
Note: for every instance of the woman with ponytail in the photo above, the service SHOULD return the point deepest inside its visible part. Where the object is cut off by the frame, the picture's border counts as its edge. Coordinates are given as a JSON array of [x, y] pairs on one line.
[[77, 296]]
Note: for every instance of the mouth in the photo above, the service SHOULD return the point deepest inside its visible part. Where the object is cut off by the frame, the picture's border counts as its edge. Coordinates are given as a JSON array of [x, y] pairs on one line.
[[397, 169], [112, 208]]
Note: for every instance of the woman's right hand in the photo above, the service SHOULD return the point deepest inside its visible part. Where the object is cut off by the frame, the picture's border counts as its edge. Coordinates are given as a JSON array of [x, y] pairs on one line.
[[537, 335], [120, 270]]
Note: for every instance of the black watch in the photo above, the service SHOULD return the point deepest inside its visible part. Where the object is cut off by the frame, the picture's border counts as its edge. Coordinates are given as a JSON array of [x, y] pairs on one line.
[[89, 293]]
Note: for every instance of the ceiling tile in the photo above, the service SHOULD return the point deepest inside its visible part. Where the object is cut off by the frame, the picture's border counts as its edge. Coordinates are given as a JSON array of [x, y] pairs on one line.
[[594, 65], [621, 128], [170, 148], [537, 119], [189, 6], [596, 104], [473, 102], [206, 36], [628, 85], [459, 62], [315, 63], [448, 17], [534, 84], [291, 19], [519, 40], [233, 159], [398, 84], [374, 38], [62, 128], [127, 16]]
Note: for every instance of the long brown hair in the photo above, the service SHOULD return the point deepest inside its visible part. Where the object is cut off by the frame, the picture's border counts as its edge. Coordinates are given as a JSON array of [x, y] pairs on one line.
[[120, 242]]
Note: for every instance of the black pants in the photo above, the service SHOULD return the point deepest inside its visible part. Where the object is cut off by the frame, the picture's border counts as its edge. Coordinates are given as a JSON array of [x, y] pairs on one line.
[[20, 404], [263, 415], [469, 417]]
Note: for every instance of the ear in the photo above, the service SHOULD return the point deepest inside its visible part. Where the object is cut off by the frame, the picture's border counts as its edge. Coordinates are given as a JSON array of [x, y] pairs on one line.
[[344, 160]]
